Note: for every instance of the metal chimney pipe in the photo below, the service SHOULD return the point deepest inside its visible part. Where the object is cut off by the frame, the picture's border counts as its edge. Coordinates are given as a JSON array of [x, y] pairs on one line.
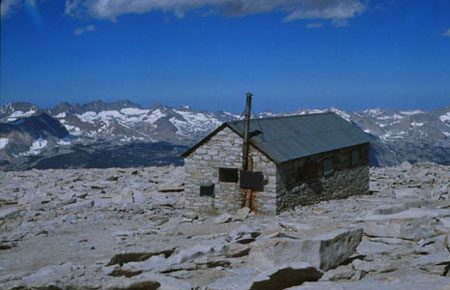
[[246, 131]]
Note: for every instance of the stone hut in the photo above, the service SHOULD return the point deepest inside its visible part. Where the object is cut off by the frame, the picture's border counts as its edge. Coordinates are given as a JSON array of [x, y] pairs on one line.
[[299, 159]]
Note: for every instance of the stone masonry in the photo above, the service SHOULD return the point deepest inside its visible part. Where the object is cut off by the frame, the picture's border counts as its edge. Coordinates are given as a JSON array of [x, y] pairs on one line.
[[281, 190], [224, 149], [344, 181]]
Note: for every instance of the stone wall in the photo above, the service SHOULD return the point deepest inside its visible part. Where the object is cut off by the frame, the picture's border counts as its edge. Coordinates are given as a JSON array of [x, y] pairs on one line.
[[225, 150], [345, 180], [282, 189]]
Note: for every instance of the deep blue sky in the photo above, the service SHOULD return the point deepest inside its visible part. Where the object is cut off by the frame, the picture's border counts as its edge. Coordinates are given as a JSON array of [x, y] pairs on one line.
[[394, 55]]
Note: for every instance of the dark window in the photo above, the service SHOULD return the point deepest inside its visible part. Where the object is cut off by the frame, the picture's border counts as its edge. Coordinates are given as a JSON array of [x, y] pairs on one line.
[[311, 170], [207, 189], [301, 174], [252, 180], [355, 157], [228, 175], [327, 166]]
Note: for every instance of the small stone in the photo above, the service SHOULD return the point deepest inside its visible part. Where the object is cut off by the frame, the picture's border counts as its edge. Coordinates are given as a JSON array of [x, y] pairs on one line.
[[242, 214], [223, 218]]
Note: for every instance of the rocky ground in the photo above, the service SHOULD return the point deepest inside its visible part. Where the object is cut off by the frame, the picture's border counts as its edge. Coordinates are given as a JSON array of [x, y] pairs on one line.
[[126, 229]]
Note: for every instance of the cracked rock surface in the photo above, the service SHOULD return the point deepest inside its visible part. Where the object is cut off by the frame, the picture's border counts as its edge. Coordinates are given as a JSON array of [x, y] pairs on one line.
[[127, 229]]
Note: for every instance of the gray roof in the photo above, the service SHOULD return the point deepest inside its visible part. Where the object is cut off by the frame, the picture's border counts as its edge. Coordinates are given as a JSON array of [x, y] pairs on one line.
[[293, 137]]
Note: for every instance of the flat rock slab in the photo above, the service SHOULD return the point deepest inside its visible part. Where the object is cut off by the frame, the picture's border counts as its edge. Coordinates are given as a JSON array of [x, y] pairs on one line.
[[411, 213], [9, 213], [51, 277], [414, 229], [324, 252], [232, 283], [147, 281], [367, 247]]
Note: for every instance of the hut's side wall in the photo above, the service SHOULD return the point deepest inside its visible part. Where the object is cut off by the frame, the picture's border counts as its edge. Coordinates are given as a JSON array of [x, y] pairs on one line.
[[345, 180], [225, 150]]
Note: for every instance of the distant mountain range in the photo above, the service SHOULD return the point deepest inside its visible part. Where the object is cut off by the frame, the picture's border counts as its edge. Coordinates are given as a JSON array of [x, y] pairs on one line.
[[124, 134]]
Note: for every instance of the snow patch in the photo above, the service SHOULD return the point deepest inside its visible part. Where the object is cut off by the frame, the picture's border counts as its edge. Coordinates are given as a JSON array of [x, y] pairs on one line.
[[19, 114], [132, 138], [373, 112], [72, 129], [36, 147], [3, 142], [231, 115], [445, 118], [154, 116], [105, 116], [134, 111], [390, 135], [64, 142], [416, 124], [61, 115], [410, 113], [194, 122]]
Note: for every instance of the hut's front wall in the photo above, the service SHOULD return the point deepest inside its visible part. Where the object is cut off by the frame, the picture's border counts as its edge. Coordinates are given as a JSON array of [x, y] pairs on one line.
[[346, 179], [224, 150]]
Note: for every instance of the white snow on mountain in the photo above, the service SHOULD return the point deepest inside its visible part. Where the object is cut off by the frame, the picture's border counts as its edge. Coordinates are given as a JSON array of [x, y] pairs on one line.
[[36, 148], [411, 113], [445, 118], [194, 122], [154, 116], [183, 125], [391, 117], [19, 114], [235, 116], [372, 112], [105, 116], [124, 116], [390, 125], [134, 111], [64, 142], [3, 142], [61, 115]]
